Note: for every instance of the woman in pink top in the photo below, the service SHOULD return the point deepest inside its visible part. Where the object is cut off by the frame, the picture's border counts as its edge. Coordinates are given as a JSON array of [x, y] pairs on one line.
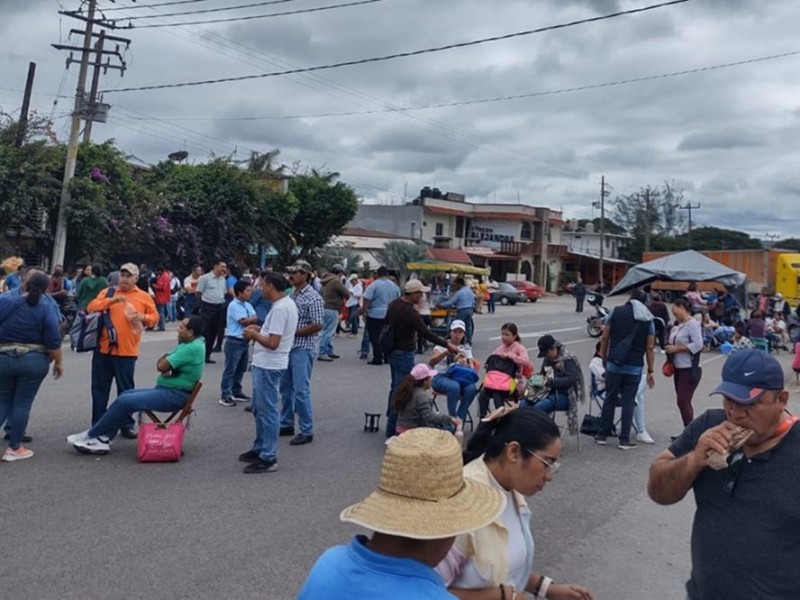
[[504, 377], [796, 362]]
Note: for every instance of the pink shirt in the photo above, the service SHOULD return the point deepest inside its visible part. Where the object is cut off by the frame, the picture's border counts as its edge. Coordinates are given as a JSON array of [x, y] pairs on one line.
[[516, 352]]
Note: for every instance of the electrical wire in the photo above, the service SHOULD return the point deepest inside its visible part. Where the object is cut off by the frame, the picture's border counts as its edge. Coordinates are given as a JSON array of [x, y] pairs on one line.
[[299, 11], [158, 5], [409, 53], [207, 10], [580, 88]]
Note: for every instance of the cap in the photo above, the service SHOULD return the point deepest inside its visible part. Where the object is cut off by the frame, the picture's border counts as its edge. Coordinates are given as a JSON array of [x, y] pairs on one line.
[[130, 268], [301, 265], [545, 343], [352, 276], [747, 374], [422, 371], [337, 269], [415, 285], [457, 324]]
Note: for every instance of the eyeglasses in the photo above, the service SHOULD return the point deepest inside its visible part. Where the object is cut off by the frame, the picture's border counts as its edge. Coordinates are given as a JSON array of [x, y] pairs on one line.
[[553, 465], [735, 463]]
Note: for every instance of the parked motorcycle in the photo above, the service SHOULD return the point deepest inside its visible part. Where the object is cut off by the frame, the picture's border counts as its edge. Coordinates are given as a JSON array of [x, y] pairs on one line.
[[595, 323]]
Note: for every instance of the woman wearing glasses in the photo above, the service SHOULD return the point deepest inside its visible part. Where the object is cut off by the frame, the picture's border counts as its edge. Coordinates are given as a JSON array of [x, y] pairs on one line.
[[516, 452]]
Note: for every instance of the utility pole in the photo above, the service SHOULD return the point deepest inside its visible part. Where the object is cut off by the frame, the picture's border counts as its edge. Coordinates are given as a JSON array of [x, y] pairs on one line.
[[98, 63], [602, 206], [690, 207], [82, 109], [647, 219], [60, 243], [26, 103]]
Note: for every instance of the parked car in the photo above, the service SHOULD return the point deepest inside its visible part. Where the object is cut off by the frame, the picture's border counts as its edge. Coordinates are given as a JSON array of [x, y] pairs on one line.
[[508, 294], [532, 291]]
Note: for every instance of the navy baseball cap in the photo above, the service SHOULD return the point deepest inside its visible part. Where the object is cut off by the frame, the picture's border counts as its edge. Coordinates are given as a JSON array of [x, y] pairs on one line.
[[747, 374]]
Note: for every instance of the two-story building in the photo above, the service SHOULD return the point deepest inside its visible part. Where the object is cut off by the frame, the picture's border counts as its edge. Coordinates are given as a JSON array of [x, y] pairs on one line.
[[584, 254], [514, 240]]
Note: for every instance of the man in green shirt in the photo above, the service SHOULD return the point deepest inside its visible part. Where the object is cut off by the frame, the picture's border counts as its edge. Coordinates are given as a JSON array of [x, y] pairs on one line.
[[91, 285], [178, 372]]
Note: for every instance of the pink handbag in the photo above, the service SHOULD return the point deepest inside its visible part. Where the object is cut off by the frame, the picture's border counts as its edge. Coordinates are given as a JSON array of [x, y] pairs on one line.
[[160, 442]]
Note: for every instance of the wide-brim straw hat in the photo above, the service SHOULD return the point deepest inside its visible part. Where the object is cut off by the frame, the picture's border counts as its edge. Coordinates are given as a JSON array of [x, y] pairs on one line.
[[423, 494]]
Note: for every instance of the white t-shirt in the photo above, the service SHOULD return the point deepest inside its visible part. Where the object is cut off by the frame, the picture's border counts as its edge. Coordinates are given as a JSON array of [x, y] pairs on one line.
[[442, 365], [281, 320], [356, 292]]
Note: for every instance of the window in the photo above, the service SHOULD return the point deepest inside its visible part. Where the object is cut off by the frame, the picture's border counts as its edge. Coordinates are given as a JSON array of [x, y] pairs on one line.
[[439, 229], [459, 227], [525, 233]]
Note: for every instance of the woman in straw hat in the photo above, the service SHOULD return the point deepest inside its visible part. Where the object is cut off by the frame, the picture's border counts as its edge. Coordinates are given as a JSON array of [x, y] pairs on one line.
[[516, 452], [422, 503]]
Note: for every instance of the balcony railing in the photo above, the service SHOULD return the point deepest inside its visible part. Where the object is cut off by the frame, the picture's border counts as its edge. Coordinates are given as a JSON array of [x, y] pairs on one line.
[[534, 249]]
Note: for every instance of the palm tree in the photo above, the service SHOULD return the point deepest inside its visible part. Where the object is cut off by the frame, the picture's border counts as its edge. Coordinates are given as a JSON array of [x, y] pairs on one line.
[[396, 254]]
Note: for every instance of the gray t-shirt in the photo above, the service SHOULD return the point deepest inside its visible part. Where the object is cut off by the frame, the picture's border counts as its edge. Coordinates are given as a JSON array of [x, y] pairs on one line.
[[745, 545], [419, 412], [211, 288]]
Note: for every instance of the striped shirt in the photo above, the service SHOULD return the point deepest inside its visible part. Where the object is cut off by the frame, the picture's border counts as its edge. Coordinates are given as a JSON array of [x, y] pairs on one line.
[[309, 311]]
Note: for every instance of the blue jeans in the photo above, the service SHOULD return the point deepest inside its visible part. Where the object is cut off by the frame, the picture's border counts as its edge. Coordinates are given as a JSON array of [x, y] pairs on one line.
[[622, 388], [20, 378], [454, 390], [465, 314], [329, 321], [171, 311], [296, 391], [401, 362], [354, 319], [365, 341], [157, 399], [265, 411], [554, 401], [162, 316], [105, 370], [490, 304], [236, 356]]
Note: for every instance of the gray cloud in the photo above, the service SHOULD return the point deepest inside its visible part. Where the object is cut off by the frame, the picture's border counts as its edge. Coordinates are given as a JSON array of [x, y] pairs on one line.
[[722, 140]]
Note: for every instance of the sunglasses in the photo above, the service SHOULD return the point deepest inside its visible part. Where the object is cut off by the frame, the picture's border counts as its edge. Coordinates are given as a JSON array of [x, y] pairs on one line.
[[735, 463]]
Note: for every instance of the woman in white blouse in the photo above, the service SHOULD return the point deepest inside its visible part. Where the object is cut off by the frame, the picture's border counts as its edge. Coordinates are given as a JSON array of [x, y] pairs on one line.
[[517, 453]]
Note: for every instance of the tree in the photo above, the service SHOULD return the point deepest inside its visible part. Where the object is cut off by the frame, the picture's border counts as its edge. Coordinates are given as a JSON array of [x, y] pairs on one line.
[[395, 254], [324, 207], [789, 244], [714, 238], [341, 253]]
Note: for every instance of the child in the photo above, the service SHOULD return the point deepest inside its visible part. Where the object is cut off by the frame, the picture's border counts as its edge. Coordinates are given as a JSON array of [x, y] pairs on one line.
[[740, 340], [414, 403], [506, 369], [796, 362], [598, 370]]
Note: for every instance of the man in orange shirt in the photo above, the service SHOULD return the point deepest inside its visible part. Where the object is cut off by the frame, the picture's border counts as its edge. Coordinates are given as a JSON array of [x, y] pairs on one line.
[[131, 310]]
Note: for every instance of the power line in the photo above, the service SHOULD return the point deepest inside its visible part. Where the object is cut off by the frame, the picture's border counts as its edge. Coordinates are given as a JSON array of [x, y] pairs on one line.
[[567, 90], [406, 54], [299, 11], [159, 5], [206, 10]]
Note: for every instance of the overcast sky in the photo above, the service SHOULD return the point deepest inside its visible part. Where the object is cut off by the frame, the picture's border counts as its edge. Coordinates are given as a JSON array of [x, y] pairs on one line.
[[729, 136]]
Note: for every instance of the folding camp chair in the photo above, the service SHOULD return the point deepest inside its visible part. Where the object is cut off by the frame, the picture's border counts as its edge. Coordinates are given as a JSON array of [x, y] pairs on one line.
[[182, 414], [468, 420], [598, 398]]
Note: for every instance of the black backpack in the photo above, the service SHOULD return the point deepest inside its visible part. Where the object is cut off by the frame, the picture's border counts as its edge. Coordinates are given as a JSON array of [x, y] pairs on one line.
[[84, 335]]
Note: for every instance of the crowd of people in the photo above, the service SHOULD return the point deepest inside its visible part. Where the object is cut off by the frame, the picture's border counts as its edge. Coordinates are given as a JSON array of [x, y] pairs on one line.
[[444, 524]]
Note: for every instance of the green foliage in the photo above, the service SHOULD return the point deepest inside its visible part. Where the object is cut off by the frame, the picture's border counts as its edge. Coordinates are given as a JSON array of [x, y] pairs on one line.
[[789, 244], [342, 254], [395, 254], [653, 211], [324, 207]]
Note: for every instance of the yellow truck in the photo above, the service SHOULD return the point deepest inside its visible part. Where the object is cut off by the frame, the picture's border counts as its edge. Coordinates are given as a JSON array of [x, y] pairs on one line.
[[776, 269]]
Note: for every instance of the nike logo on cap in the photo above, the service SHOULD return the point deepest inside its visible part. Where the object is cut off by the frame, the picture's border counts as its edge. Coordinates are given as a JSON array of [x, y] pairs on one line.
[[748, 373]]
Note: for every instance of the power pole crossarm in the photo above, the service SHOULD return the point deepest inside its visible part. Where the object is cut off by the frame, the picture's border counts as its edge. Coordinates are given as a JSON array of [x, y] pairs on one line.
[[690, 207]]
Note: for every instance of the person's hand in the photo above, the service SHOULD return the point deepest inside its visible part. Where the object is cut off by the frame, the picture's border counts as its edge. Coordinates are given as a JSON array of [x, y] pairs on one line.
[[569, 591], [717, 438], [452, 348], [651, 381], [251, 332], [455, 421], [501, 412], [58, 369], [671, 349]]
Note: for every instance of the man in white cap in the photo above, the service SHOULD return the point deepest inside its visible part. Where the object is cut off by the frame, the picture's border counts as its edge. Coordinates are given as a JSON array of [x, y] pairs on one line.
[[130, 310], [422, 503], [404, 324]]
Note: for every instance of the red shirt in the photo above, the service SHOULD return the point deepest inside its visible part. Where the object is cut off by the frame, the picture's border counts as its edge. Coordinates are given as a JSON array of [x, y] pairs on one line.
[[162, 288]]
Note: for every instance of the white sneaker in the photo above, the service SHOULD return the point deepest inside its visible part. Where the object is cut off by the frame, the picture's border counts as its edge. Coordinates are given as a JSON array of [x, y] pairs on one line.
[[92, 446], [78, 437], [645, 438], [20, 453]]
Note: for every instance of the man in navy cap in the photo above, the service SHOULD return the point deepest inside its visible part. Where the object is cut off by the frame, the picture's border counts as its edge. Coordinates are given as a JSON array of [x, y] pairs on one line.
[[747, 525]]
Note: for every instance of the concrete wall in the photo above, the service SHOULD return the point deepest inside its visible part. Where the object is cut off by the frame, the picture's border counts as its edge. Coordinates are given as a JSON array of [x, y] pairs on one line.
[[396, 220]]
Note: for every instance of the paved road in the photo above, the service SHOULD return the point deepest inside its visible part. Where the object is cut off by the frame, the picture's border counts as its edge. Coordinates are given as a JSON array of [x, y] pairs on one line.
[[105, 528]]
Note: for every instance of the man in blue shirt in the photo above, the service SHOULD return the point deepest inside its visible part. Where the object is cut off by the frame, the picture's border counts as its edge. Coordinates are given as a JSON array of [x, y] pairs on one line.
[[463, 300], [240, 315], [377, 298], [14, 280], [422, 504]]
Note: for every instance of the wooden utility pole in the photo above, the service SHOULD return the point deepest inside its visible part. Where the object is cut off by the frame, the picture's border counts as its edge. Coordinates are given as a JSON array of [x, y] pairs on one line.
[[603, 194], [60, 243], [98, 64], [26, 103], [688, 206]]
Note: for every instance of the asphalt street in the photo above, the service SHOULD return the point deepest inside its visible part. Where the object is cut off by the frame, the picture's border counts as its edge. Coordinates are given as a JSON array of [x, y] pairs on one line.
[[107, 527]]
